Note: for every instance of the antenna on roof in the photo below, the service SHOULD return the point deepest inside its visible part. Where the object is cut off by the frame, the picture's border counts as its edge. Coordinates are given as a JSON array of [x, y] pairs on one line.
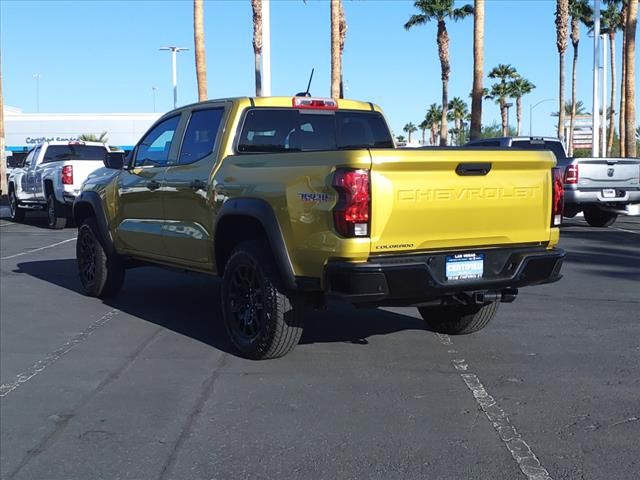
[[307, 94]]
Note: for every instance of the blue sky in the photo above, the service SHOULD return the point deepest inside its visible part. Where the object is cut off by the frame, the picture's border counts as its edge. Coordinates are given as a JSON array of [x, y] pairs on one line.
[[102, 56]]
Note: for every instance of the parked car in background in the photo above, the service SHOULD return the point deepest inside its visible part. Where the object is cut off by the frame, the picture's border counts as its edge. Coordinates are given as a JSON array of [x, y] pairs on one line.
[[50, 179], [601, 188]]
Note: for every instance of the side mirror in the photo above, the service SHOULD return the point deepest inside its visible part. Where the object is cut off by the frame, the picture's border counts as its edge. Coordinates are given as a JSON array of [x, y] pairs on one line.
[[114, 160]]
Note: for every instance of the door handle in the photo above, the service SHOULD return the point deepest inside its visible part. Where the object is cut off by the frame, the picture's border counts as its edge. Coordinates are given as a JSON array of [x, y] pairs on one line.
[[153, 185], [475, 169], [198, 184]]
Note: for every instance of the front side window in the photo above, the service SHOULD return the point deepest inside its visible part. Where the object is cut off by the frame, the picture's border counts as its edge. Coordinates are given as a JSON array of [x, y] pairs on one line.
[[154, 148], [290, 130], [200, 137]]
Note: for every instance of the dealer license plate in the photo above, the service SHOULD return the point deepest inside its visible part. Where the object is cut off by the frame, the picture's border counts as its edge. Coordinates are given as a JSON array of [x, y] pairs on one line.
[[464, 266], [609, 193]]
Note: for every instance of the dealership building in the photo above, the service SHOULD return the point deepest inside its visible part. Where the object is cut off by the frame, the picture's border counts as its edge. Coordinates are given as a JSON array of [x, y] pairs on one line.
[[25, 130]]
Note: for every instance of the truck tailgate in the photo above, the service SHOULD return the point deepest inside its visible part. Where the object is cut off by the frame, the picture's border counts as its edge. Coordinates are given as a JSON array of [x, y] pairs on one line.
[[608, 172], [440, 199], [82, 169]]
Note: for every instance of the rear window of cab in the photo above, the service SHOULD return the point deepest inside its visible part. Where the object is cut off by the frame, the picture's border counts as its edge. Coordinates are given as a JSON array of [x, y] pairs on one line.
[[269, 130]]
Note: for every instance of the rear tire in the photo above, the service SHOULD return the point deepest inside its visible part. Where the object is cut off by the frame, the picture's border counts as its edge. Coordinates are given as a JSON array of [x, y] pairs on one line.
[[101, 275], [261, 319], [458, 319], [56, 215], [597, 217], [15, 212]]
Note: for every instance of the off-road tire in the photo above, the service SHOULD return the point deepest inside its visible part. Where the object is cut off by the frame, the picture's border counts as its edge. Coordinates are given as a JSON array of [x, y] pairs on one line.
[[101, 275], [56, 215], [458, 319], [262, 321], [597, 217], [15, 213], [571, 211]]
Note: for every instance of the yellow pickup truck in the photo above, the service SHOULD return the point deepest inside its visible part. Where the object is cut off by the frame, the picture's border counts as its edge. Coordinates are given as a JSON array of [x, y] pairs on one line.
[[296, 200]]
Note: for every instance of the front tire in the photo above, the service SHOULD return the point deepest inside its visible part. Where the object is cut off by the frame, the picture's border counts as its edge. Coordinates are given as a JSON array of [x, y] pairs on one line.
[[15, 213], [597, 217], [261, 319], [458, 319], [56, 218], [101, 275]]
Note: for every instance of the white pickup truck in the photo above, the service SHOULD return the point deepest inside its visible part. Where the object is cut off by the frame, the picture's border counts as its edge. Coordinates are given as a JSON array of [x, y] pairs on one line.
[[51, 177]]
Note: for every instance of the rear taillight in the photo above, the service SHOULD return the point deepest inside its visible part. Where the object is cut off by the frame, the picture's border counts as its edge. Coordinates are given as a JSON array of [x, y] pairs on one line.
[[67, 175], [557, 199], [351, 213], [571, 175]]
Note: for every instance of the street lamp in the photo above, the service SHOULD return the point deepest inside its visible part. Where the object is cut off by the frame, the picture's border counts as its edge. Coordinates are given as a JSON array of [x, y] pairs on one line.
[[508, 106], [173, 51], [531, 107], [153, 89], [37, 76]]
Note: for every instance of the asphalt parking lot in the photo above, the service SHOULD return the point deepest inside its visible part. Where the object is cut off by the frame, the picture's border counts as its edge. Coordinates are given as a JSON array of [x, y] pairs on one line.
[[147, 387]]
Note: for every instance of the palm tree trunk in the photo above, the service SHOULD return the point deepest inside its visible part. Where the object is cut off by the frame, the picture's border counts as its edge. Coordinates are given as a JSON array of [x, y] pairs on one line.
[[631, 147], [519, 114], [575, 40], [623, 80], [343, 36], [612, 118], [562, 18], [423, 130], [478, 66], [256, 7], [198, 38], [335, 49], [503, 114], [443, 52]]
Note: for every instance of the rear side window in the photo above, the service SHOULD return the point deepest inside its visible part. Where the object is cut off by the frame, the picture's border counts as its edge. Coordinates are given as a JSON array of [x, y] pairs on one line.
[[290, 130], [57, 153], [200, 137]]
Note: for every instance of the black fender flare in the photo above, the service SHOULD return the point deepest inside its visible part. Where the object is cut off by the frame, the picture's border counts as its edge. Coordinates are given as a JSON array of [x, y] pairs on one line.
[[261, 211], [94, 202]]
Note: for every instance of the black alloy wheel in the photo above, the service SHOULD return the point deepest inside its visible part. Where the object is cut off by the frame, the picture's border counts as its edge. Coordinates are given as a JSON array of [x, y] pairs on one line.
[[15, 213], [55, 215]]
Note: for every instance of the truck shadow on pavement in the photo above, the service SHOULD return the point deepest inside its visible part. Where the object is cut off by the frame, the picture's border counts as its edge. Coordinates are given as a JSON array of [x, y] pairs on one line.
[[189, 304]]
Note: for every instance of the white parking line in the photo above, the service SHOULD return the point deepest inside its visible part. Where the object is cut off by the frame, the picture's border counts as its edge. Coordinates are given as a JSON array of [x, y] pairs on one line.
[[38, 367], [38, 249], [519, 449], [626, 231]]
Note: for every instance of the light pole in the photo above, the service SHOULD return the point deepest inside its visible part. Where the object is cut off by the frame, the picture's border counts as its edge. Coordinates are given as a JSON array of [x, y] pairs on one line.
[[595, 116], [153, 89], [531, 107], [173, 51], [37, 76], [508, 106]]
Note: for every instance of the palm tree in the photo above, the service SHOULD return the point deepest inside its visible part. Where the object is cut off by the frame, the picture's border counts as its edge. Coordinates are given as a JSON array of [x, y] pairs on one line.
[[459, 111], [631, 147], [336, 67], [198, 40], [580, 12], [92, 137], [501, 91], [424, 126], [400, 139], [440, 11], [409, 128], [519, 88], [433, 118], [256, 7], [611, 23], [343, 35], [478, 66], [562, 23]]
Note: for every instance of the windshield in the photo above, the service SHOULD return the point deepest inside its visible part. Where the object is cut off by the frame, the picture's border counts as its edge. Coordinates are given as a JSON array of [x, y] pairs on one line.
[[56, 153], [555, 147], [286, 130]]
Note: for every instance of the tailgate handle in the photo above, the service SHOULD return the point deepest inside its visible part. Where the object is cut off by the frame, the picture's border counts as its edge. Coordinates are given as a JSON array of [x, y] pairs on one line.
[[473, 168]]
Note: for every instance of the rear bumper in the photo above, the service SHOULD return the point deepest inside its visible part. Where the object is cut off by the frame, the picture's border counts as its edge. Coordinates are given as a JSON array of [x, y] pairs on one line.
[[414, 279], [594, 195]]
